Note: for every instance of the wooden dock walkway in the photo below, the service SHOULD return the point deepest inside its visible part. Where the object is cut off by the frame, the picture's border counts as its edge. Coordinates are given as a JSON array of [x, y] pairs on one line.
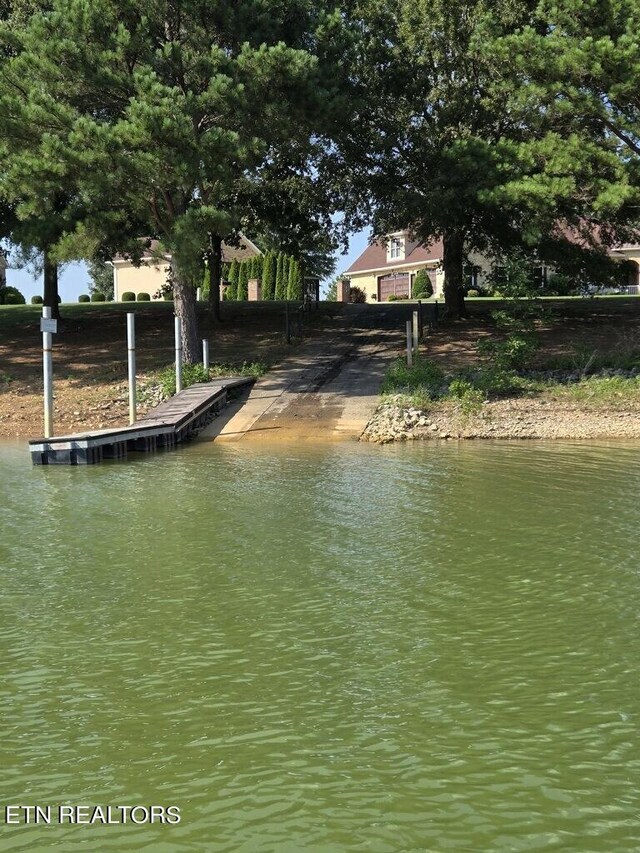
[[172, 422]]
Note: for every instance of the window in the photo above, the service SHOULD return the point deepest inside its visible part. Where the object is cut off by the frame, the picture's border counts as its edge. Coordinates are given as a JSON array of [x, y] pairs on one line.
[[395, 248]]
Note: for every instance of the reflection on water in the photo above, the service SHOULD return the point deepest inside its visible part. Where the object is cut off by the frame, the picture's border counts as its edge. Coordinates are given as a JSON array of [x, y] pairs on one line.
[[330, 649]]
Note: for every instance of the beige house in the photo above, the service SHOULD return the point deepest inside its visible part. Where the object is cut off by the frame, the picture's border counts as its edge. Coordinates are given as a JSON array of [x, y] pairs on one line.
[[386, 269], [152, 273]]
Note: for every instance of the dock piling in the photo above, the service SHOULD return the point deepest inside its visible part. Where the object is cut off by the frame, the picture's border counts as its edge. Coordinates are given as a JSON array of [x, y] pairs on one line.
[[178, 343], [131, 361], [47, 371]]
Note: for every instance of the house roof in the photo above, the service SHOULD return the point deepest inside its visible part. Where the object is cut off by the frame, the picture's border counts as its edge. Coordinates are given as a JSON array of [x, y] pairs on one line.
[[374, 257], [245, 249]]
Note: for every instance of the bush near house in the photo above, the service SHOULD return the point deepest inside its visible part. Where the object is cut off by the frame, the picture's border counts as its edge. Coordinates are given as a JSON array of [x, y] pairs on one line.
[[128, 296], [143, 297], [84, 297], [356, 294], [422, 287], [97, 296], [36, 300], [11, 296]]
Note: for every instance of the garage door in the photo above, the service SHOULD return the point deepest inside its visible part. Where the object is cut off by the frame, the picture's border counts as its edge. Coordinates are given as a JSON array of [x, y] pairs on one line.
[[389, 285]]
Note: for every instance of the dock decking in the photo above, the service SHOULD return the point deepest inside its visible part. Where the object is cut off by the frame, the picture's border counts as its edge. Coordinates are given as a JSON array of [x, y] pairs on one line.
[[172, 422]]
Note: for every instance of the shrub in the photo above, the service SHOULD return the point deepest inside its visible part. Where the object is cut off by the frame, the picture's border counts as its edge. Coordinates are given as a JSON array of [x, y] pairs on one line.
[[473, 293], [422, 374], [128, 296], [84, 297], [36, 300], [356, 294], [515, 352], [469, 399], [422, 286], [98, 297], [396, 297], [143, 297], [12, 296]]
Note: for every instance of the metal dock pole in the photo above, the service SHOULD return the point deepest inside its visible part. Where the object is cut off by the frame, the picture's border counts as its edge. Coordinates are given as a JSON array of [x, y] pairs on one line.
[[131, 360]]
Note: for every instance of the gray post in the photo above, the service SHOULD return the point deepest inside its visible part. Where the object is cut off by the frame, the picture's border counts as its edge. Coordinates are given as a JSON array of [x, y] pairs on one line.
[[286, 322], [131, 359], [178, 337], [416, 332], [47, 369], [205, 354], [198, 294], [409, 345]]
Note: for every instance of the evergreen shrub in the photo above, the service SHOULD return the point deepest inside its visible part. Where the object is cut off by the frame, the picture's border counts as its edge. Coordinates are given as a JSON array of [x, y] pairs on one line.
[[422, 287], [12, 296]]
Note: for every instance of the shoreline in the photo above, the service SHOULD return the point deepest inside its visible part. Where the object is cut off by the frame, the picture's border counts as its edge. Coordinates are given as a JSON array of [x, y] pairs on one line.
[[526, 419]]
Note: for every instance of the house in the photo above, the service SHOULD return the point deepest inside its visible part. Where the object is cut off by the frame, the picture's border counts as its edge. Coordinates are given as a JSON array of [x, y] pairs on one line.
[[152, 273], [389, 269]]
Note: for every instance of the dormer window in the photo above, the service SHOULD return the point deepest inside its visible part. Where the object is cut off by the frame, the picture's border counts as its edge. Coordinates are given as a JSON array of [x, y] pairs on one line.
[[396, 248]]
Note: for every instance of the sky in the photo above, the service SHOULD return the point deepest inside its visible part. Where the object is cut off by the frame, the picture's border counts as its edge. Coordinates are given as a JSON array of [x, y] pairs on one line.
[[74, 278]]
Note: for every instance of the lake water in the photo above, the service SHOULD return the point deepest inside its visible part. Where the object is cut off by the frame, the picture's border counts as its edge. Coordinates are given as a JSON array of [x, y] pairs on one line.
[[340, 648]]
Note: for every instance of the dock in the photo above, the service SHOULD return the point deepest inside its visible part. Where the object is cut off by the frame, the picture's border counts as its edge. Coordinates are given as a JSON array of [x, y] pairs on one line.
[[171, 423]]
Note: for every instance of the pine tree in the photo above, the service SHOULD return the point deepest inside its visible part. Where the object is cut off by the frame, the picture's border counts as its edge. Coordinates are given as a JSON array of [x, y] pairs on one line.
[[138, 113], [269, 276]]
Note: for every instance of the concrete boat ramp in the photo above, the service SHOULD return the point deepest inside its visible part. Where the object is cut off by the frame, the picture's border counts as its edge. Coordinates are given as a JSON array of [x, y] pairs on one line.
[[172, 422], [326, 391]]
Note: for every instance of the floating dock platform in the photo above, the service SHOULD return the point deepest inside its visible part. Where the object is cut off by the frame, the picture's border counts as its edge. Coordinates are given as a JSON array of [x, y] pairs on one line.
[[176, 420]]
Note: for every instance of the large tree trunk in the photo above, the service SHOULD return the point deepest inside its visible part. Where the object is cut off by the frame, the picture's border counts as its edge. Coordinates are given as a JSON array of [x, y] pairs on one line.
[[50, 295], [184, 296], [452, 261], [214, 257]]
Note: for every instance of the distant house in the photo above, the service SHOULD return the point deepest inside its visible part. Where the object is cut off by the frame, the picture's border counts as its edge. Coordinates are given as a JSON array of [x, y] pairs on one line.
[[386, 269], [389, 268], [152, 273]]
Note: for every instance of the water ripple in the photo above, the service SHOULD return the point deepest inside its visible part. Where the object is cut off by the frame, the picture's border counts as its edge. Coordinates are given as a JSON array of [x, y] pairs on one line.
[[329, 649]]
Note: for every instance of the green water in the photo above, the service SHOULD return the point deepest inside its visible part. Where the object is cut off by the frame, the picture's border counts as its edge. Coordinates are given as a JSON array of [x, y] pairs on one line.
[[335, 649]]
